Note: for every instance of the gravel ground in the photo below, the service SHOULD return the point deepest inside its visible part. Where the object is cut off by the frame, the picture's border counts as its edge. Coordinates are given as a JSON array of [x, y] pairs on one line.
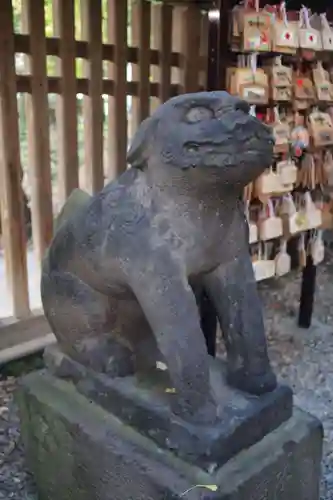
[[302, 358]]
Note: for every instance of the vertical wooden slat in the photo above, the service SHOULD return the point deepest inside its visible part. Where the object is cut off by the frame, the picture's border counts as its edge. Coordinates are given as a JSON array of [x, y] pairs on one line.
[[177, 42], [165, 51], [162, 41], [140, 28], [95, 92], [118, 24], [11, 193], [41, 169], [29, 130], [155, 72], [224, 53], [92, 24], [66, 12], [191, 48], [204, 50], [133, 40], [111, 170], [67, 115], [213, 60], [86, 115], [141, 20], [60, 188]]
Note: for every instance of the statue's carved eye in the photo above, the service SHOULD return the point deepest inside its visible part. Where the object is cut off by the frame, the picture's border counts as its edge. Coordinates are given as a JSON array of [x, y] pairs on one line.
[[198, 114], [191, 147]]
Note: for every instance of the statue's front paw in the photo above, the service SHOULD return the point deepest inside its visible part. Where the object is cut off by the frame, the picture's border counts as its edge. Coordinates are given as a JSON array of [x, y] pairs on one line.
[[257, 384]]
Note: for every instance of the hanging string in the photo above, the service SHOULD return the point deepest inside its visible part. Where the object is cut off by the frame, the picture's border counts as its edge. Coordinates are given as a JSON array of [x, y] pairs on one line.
[[283, 11]]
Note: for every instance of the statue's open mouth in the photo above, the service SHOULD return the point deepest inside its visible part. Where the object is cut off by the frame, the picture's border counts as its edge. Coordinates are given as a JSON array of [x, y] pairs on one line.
[[223, 155], [252, 141]]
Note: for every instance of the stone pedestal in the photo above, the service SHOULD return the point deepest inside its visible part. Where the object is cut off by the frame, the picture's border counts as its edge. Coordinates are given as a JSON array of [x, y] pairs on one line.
[[144, 402], [79, 450]]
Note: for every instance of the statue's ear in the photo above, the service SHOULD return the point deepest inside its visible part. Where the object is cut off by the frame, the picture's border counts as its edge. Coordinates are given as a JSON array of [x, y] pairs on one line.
[[138, 153]]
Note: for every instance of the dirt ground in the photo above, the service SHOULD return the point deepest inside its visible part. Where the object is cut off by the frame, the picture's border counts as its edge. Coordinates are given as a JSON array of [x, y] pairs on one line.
[[302, 358]]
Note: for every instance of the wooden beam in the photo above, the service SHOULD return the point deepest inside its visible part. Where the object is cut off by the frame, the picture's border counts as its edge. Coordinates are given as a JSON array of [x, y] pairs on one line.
[[24, 337], [13, 331], [23, 83], [24, 349], [22, 45]]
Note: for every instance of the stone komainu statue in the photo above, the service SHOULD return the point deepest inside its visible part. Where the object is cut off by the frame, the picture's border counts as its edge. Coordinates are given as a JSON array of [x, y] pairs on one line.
[[117, 282]]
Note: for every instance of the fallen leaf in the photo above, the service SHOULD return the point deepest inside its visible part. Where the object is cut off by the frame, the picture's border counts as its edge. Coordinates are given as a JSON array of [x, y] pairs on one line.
[[211, 487]]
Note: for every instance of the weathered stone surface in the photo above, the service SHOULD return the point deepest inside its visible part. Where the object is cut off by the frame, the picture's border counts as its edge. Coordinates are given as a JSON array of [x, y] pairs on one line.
[[77, 450], [144, 401], [117, 282]]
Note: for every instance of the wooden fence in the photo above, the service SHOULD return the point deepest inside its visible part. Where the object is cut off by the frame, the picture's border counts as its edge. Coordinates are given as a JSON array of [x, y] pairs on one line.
[[100, 53]]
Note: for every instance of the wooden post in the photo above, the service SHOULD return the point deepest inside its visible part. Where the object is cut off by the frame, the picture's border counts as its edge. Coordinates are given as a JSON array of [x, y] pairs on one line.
[[91, 19], [111, 158], [162, 41], [60, 188], [216, 80], [85, 174], [213, 50], [191, 48], [308, 289], [141, 27], [207, 311], [10, 168], [177, 73], [41, 200], [165, 48], [156, 28], [218, 52], [30, 134], [186, 40], [117, 28], [204, 35], [68, 165], [309, 275], [224, 56]]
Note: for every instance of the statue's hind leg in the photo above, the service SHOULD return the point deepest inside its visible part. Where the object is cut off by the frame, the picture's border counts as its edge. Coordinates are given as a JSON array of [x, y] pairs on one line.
[[82, 320]]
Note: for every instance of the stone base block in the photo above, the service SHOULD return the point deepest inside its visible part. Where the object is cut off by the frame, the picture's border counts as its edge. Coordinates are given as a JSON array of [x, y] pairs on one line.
[[78, 450], [144, 402]]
